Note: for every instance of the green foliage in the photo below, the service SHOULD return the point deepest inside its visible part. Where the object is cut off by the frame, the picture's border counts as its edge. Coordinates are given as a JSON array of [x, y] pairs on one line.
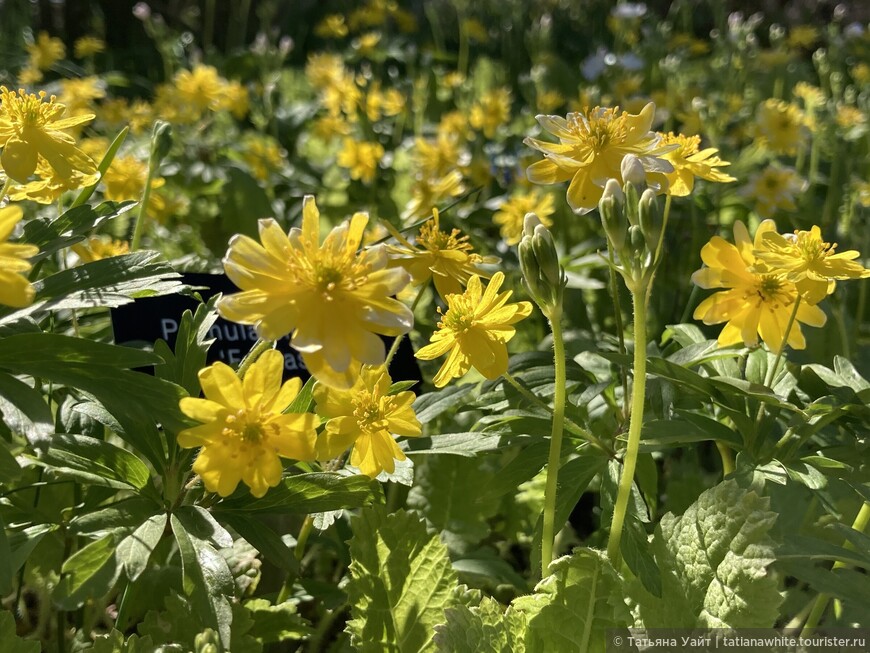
[[715, 563], [482, 629], [401, 582], [9, 641]]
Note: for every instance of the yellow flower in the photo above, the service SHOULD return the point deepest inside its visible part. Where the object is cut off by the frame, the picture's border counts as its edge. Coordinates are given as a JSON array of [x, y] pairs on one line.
[[97, 248], [447, 258], [366, 417], [861, 73], [808, 262], [31, 128], [361, 158], [803, 36], [774, 188], [333, 299], [15, 289], [323, 69], [125, 179], [512, 213], [491, 111], [79, 94], [428, 193], [263, 154], [50, 185], [591, 148], [689, 162], [366, 43], [329, 127], [755, 303], [45, 51], [201, 87], [548, 101], [475, 331], [331, 27], [436, 157], [780, 124], [87, 46], [812, 96], [244, 427]]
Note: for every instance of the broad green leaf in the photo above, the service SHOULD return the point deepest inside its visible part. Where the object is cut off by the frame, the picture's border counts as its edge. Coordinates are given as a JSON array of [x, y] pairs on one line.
[[9, 467], [263, 538], [433, 404], [572, 609], [401, 582], [276, 623], [693, 427], [135, 550], [10, 642], [811, 549], [25, 411], [715, 563], [302, 402], [70, 227], [448, 491], [304, 494], [481, 629], [200, 524], [36, 351], [89, 573], [95, 461], [207, 580], [191, 347], [460, 444], [114, 642], [126, 514], [845, 584], [22, 543]]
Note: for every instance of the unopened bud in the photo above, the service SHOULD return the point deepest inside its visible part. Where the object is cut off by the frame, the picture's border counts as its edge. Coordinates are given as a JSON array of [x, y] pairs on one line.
[[649, 216], [161, 141], [632, 170], [631, 199], [613, 189], [531, 271], [529, 223], [548, 258], [610, 208]]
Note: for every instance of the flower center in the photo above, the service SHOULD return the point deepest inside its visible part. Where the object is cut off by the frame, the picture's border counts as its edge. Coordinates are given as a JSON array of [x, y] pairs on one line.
[[368, 413], [598, 128], [813, 250], [459, 318], [245, 426], [434, 240]]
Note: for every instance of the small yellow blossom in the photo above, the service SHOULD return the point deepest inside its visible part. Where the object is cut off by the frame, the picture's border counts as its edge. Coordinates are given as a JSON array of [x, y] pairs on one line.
[[512, 213], [15, 289], [861, 73], [474, 331], [97, 248], [79, 94], [45, 51], [330, 126], [332, 298], [323, 69], [244, 427], [803, 36], [125, 179], [812, 96], [773, 189], [808, 262], [87, 46], [331, 27], [781, 125], [436, 157], [549, 101], [754, 303], [590, 151], [366, 417], [367, 43], [31, 128], [689, 161], [49, 185], [491, 112], [360, 158], [446, 258], [428, 193], [262, 154]]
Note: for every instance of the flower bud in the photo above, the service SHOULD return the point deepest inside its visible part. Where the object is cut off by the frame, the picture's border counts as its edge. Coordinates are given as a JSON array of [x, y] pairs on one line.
[[545, 253], [161, 141], [610, 207], [529, 223], [631, 199], [632, 170], [650, 220]]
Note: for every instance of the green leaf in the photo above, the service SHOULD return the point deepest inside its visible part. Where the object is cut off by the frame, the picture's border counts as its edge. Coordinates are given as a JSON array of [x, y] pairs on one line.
[[401, 386], [70, 227], [302, 402], [106, 283], [200, 524], [95, 461], [114, 642], [5, 561], [262, 538], [191, 348], [433, 404], [481, 629], [35, 351], [207, 580], [572, 609], [715, 563], [305, 494], [460, 444], [276, 623], [401, 582], [135, 550], [22, 543], [89, 573], [448, 492], [25, 411], [10, 642]]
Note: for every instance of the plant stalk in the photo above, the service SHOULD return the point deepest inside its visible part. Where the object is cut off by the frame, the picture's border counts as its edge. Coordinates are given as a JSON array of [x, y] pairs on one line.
[[548, 532], [639, 295], [259, 348]]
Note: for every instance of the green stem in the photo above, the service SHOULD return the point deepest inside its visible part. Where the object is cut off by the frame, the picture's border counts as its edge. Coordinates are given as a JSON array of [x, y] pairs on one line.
[[860, 524], [143, 206], [259, 348], [548, 531], [302, 540], [617, 314], [638, 394], [570, 425], [665, 215]]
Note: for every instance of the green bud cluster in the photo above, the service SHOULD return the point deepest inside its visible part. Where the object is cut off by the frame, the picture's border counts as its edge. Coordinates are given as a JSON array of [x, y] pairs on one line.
[[207, 642], [632, 221], [161, 141], [539, 261]]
